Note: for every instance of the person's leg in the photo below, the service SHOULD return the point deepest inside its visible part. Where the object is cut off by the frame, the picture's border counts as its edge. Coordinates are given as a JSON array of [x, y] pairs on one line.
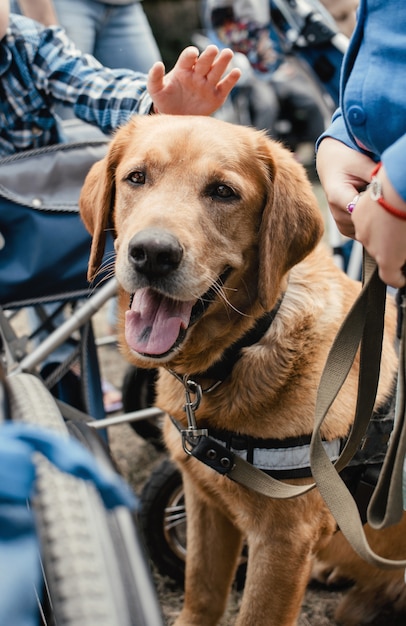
[[264, 105], [80, 18], [126, 39], [14, 7]]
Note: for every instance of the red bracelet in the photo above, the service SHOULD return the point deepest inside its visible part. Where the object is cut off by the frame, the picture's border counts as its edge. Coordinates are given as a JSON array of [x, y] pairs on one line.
[[375, 189]]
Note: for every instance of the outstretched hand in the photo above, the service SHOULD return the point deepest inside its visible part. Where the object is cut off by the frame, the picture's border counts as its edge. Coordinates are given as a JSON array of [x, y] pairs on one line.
[[197, 85]]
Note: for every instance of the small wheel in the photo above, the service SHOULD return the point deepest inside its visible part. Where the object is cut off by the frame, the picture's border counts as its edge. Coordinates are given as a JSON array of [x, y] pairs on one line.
[[162, 520], [94, 568], [138, 391]]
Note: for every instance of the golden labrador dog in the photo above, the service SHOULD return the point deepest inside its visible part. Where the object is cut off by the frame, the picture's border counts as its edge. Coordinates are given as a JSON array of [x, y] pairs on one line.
[[223, 282]]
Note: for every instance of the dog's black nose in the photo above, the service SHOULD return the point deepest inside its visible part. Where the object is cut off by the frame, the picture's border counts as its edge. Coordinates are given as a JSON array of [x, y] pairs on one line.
[[154, 252]]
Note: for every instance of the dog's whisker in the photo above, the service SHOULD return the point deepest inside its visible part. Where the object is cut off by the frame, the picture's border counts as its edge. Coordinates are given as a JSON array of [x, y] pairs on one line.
[[94, 287], [108, 262], [110, 258], [107, 266], [220, 289], [103, 274]]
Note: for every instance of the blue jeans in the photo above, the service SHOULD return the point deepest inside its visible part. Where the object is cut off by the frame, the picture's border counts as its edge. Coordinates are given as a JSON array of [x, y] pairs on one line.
[[119, 36]]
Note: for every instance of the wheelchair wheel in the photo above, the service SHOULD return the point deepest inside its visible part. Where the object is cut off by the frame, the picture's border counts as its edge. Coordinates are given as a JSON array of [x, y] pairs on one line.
[[138, 391], [94, 568], [162, 522]]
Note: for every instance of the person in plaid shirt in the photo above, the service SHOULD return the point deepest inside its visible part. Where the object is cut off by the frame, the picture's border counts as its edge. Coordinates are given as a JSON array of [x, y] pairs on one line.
[[40, 66]]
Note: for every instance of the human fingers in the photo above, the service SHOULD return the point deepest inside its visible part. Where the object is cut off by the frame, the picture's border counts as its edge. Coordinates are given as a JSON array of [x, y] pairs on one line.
[[228, 82], [339, 199], [391, 270], [384, 236], [343, 174], [206, 61], [187, 58], [394, 278], [213, 67], [155, 77]]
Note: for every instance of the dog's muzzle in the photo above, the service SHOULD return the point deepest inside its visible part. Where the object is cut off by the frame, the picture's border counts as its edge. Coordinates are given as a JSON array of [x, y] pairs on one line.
[[156, 324]]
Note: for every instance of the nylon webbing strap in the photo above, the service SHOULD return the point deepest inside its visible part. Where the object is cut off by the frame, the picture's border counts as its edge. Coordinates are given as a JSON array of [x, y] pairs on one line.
[[252, 477], [363, 326], [363, 322], [386, 505]]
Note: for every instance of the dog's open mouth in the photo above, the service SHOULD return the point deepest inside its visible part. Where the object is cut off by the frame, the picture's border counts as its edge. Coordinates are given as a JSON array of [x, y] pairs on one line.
[[156, 324]]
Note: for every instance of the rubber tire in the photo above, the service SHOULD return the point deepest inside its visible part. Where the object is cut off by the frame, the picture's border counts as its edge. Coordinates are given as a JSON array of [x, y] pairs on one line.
[[138, 392], [94, 566], [162, 522]]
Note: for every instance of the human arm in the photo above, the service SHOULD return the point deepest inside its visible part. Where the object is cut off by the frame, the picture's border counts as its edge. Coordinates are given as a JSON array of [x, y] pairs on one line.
[[108, 98], [4, 17], [42, 11], [197, 85]]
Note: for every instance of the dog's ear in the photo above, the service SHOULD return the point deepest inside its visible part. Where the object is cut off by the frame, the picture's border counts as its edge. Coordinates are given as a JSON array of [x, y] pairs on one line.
[[292, 222], [96, 205]]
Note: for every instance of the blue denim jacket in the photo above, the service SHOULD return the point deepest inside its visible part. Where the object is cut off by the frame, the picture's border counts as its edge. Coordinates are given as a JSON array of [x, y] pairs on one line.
[[372, 113]]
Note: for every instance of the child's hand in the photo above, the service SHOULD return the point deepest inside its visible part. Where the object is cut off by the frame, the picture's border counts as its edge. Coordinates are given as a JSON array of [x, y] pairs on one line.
[[195, 85]]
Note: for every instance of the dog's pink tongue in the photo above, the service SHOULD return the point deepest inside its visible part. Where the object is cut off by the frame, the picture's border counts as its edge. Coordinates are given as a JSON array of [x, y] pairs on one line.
[[153, 324]]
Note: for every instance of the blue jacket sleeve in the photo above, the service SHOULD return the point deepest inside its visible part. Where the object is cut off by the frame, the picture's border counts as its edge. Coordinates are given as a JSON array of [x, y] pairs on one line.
[[393, 158], [338, 130]]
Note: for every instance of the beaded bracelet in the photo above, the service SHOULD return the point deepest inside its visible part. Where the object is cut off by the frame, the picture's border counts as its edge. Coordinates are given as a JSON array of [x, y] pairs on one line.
[[375, 190]]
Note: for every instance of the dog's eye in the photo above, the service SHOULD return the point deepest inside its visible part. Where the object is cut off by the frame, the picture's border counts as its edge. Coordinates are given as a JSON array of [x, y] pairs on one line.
[[137, 177], [223, 192]]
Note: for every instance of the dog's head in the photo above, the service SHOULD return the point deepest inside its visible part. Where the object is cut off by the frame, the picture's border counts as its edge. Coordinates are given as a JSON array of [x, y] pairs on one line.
[[208, 217]]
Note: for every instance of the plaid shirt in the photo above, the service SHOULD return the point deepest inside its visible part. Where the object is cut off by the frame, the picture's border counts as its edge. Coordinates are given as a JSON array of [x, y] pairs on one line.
[[40, 67]]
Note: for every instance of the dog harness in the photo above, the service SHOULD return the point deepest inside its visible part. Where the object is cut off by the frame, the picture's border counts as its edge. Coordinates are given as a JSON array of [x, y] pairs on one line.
[[281, 459], [289, 458]]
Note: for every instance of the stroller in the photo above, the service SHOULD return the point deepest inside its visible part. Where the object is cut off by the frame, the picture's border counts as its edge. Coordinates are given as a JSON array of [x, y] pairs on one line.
[[92, 568]]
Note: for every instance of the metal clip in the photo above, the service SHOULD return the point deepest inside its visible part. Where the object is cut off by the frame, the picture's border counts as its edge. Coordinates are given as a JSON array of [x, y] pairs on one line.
[[191, 435]]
